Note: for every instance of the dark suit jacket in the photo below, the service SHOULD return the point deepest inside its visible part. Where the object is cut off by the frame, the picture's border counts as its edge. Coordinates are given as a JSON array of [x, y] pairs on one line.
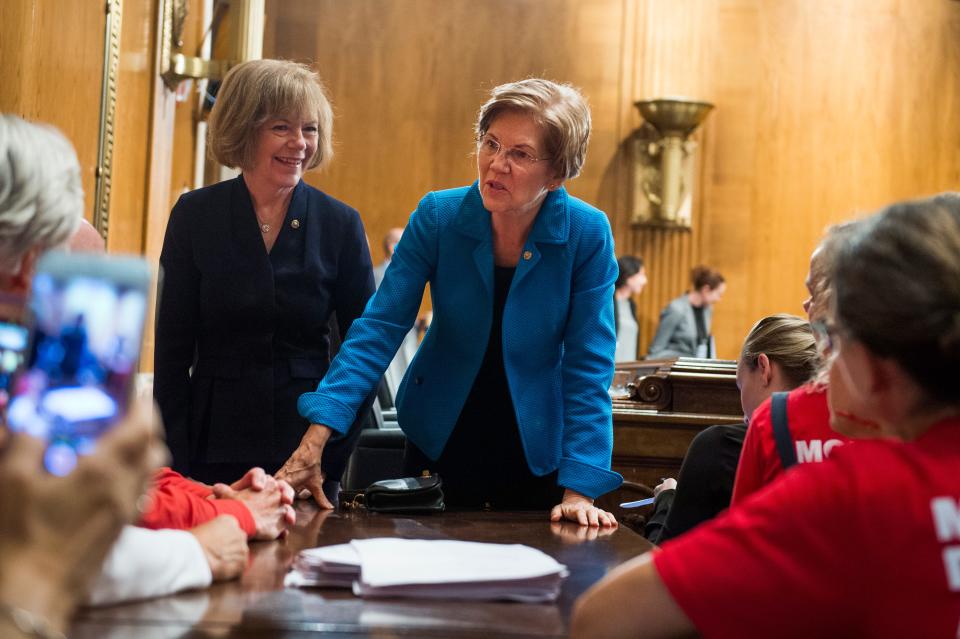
[[253, 326]]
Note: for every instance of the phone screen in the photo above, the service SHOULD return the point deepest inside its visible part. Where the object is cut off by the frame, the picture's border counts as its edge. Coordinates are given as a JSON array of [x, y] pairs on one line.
[[13, 347], [88, 313]]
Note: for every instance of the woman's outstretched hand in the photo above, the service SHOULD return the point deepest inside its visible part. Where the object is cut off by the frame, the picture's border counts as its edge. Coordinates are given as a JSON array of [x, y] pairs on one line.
[[302, 470], [579, 508]]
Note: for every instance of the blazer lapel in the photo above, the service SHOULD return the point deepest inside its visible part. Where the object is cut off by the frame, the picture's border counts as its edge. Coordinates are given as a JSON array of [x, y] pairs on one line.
[[552, 226]]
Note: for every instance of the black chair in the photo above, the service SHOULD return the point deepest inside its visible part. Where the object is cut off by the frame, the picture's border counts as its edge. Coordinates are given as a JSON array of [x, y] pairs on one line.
[[378, 455]]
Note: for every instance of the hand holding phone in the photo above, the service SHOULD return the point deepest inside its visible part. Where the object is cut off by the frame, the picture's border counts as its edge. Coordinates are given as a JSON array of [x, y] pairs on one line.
[[87, 315]]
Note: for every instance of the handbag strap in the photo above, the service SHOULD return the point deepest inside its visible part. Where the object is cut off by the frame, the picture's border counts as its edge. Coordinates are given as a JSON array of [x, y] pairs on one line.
[[781, 430]]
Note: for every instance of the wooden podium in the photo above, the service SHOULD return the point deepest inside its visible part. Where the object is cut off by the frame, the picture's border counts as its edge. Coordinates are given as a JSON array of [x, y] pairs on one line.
[[671, 401]]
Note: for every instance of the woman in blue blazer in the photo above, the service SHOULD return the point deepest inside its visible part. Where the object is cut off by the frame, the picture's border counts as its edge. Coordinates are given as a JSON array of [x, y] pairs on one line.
[[507, 396], [252, 269]]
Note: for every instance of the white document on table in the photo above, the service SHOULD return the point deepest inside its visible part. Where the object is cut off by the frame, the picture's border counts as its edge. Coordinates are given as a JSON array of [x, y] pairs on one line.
[[432, 569]]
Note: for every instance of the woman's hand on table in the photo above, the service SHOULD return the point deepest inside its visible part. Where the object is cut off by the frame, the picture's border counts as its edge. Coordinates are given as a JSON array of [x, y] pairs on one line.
[[580, 509], [302, 470]]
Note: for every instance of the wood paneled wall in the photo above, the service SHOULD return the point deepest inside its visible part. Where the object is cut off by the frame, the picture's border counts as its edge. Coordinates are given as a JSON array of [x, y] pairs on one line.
[[407, 79], [824, 110], [51, 54]]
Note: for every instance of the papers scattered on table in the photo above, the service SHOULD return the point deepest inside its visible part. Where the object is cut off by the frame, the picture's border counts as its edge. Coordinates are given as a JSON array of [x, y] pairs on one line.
[[432, 569]]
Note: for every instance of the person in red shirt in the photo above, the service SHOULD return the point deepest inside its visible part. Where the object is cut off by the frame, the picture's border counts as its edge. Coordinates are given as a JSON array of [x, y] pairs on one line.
[[779, 354], [869, 544], [259, 503], [807, 416]]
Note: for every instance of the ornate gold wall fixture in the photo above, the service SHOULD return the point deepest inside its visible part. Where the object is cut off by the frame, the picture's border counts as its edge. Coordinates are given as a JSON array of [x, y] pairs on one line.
[[108, 110], [663, 161], [245, 21]]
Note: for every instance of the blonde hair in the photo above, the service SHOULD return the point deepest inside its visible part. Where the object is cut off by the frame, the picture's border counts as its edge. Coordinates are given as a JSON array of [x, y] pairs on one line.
[[41, 196], [256, 91], [559, 109], [788, 341]]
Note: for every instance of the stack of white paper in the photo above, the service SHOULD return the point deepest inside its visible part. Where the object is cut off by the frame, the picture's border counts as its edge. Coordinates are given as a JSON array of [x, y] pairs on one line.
[[337, 566], [432, 569]]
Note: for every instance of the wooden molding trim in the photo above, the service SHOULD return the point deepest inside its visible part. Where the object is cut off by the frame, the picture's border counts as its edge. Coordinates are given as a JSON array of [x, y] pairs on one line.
[[108, 110]]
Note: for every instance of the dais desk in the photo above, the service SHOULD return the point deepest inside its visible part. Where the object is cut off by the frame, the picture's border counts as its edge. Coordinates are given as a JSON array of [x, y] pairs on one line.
[[257, 605]]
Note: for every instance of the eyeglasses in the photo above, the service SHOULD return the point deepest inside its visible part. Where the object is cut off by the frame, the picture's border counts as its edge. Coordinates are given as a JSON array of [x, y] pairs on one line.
[[489, 147], [825, 334]]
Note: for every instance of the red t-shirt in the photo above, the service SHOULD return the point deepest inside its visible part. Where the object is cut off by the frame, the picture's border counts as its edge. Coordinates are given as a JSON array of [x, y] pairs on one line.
[[867, 545], [178, 502], [808, 417]]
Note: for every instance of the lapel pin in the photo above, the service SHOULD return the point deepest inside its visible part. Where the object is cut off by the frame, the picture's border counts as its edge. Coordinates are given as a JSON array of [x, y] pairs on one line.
[[295, 224], [527, 255]]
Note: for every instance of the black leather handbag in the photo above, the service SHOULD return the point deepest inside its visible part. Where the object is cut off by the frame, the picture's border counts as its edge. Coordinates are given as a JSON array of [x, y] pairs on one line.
[[412, 495]]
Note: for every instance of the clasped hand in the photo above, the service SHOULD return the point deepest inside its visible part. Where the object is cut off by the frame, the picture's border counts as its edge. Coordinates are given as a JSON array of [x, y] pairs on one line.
[[269, 500]]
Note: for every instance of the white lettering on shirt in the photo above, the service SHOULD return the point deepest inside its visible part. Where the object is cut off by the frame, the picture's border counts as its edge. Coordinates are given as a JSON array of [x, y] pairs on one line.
[[946, 521], [815, 450], [951, 563], [946, 518]]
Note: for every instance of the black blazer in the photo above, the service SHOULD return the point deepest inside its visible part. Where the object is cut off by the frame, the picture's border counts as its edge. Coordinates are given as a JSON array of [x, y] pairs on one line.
[[241, 333]]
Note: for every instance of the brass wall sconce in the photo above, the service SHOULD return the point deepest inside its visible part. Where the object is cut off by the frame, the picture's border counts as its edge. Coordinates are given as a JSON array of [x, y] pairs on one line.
[[663, 161], [244, 23]]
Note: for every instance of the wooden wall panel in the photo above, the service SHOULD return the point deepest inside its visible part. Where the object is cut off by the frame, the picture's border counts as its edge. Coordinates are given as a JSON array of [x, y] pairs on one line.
[[131, 157], [825, 111], [51, 54], [407, 79], [677, 41]]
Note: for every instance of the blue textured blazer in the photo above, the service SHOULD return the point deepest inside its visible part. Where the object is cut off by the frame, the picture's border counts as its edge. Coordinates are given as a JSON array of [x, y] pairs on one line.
[[558, 334]]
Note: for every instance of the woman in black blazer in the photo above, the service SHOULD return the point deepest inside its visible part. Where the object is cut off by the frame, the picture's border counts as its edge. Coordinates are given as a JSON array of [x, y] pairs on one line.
[[252, 269]]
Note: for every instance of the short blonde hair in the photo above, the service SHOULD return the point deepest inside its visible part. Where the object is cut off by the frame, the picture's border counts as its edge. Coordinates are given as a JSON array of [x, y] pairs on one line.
[[559, 109], [259, 90], [788, 341]]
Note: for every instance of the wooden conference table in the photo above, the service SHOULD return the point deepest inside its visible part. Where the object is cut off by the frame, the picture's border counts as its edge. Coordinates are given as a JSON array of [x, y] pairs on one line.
[[257, 605]]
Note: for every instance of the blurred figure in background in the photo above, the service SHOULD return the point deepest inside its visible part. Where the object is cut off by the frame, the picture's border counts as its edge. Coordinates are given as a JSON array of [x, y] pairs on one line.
[[631, 279], [684, 328], [390, 241]]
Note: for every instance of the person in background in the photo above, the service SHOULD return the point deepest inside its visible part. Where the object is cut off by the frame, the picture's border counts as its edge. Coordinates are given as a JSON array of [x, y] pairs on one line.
[[390, 241], [252, 269], [631, 278], [507, 396], [867, 545], [806, 415], [684, 328], [408, 348], [779, 354]]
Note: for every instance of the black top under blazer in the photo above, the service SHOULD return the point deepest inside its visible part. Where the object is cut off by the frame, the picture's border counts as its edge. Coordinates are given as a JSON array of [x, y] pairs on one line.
[[253, 325]]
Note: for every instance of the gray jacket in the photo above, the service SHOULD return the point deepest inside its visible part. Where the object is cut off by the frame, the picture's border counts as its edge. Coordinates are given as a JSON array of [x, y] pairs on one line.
[[677, 332]]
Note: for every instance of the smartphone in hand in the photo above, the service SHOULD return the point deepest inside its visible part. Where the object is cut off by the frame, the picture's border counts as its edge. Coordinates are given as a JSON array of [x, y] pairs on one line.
[[87, 314]]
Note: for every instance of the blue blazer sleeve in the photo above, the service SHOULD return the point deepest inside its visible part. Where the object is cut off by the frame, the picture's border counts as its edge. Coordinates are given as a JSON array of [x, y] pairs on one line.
[[374, 337], [589, 343]]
